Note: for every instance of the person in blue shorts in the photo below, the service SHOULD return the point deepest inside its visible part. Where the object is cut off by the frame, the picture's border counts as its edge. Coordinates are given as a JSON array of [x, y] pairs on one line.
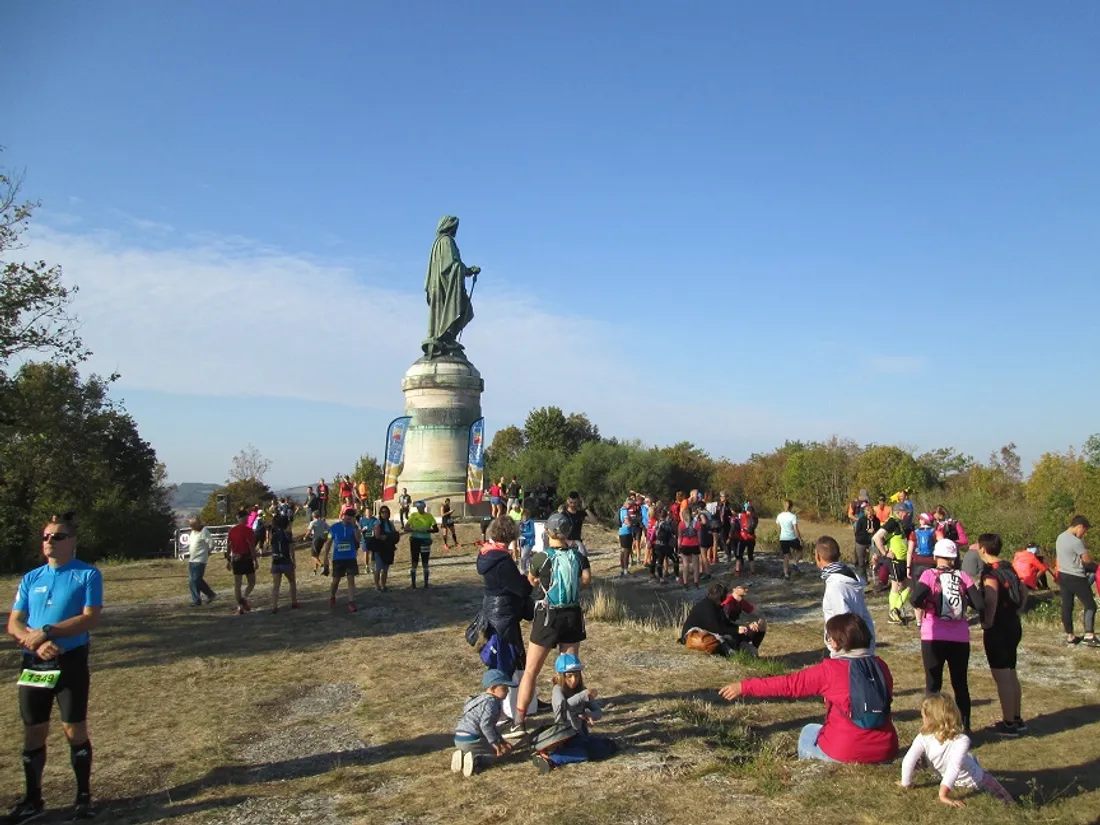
[[343, 542], [57, 606]]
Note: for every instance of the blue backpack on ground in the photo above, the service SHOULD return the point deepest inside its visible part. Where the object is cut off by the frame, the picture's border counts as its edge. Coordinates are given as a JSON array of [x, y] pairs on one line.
[[926, 540], [565, 577], [869, 699]]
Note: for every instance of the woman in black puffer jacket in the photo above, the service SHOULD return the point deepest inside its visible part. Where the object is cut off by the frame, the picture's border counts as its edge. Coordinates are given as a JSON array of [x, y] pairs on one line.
[[507, 592]]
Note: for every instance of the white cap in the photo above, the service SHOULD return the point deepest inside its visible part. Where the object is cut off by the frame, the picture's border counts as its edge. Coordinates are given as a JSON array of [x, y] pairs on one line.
[[946, 549]]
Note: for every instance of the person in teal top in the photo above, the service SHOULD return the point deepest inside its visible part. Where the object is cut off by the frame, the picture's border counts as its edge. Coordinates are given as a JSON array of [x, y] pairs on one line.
[[366, 528], [56, 607], [343, 540]]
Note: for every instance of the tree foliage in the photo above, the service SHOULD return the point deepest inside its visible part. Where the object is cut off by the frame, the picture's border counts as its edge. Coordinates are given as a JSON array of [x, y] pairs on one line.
[[245, 492], [249, 465], [34, 302], [64, 445], [369, 470]]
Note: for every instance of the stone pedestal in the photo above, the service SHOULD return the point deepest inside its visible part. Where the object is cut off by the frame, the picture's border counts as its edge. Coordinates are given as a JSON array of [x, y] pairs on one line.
[[443, 396]]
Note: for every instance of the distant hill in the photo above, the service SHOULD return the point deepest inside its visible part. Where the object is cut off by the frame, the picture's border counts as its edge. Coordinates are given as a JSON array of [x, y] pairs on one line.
[[192, 496]]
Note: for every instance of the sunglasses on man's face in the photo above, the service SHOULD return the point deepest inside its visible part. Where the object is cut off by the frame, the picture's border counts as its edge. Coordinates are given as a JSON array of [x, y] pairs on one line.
[[55, 536]]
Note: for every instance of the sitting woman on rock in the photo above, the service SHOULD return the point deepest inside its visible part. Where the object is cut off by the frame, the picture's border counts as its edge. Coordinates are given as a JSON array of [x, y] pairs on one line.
[[857, 688]]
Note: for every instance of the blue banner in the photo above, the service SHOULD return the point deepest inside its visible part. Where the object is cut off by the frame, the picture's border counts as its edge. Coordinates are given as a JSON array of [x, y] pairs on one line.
[[475, 467], [395, 456]]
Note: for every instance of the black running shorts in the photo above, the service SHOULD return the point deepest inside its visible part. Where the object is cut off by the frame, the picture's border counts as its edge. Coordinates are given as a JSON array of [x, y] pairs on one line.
[[71, 690], [551, 627]]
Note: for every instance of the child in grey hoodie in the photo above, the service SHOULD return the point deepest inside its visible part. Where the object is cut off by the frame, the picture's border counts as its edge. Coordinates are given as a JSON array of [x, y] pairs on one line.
[[477, 740], [575, 707], [843, 588]]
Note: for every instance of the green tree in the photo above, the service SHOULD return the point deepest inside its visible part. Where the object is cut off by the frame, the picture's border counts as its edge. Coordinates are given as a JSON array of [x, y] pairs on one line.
[[243, 493], [691, 467], [507, 445], [547, 429], [369, 470], [64, 445], [249, 465], [945, 463], [34, 302], [885, 470]]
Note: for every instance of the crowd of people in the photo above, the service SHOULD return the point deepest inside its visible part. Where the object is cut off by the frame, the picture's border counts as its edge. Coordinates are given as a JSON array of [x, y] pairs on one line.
[[933, 569]]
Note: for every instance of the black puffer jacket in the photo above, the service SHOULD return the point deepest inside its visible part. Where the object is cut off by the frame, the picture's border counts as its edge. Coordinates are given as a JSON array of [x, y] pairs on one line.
[[506, 589]]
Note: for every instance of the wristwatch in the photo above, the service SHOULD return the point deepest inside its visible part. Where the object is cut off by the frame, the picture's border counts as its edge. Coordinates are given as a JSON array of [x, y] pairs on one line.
[[47, 629]]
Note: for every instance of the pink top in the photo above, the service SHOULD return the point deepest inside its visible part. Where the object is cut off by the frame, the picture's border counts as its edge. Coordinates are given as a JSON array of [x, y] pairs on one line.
[[936, 628]]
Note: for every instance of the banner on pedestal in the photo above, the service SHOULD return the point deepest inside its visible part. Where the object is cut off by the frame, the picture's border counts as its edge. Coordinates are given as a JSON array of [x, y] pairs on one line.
[[475, 467], [395, 456]]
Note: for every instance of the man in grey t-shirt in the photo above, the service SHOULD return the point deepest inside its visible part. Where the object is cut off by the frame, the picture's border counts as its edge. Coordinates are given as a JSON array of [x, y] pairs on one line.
[[1074, 565]]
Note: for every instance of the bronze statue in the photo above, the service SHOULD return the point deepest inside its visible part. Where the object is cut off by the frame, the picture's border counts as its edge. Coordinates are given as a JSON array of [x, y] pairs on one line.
[[449, 308]]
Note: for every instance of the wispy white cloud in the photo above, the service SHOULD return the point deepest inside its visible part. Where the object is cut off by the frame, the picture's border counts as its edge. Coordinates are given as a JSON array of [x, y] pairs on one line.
[[73, 199]]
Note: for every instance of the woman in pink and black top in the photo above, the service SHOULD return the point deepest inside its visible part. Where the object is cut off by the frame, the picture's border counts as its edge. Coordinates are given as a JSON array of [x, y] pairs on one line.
[[943, 594], [840, 739]]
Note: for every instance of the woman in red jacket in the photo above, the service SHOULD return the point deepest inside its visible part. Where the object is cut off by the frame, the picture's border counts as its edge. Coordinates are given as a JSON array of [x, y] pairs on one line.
[[840, 739]]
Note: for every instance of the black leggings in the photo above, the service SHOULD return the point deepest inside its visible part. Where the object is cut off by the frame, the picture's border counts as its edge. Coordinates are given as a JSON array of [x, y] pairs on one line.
[[420, 552], [1076, 586], [746, 547], [663, 555], [957, 656]]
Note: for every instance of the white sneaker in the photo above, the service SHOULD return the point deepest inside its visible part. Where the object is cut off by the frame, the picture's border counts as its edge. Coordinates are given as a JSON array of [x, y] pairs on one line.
[[469, 765], [456, 761]]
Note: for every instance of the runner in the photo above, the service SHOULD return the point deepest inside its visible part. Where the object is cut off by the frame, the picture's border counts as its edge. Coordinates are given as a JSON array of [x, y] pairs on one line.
[[558, 620], [1031, 567], [316, 534], [240, 557], [526, 541], [382, 546], [282, 563], [687, 535], [347, 492], [366, 532], [745, 527], [258, 527], [843, 588], [313, 501], [343, 543], [726, 517], [576, 513], [883, 510], [790, 539], [56, 607], [944, 594], [890, 543], [635, 528], [708, 533], [626, 537], [199, 547], [363, 491], [665, 559], [447, 516], [421, 526], [513, 494], [404, 502], [322, 494], [920, 558], [1074, 565], [855, 508], [1005, 599], [641, 534], [865, 527], [495, 493]]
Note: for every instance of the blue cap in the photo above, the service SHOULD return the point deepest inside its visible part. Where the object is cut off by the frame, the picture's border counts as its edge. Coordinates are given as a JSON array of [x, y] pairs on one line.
[[495, 677], [420, 503], [567, 663]]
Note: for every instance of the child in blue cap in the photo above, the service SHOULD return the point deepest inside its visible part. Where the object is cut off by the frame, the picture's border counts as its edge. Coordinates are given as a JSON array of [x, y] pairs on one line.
[[575, 708], [477, 740]]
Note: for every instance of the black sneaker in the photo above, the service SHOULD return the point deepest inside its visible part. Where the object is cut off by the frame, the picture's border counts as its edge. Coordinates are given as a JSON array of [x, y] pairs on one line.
[[542, 763], [1073, 641], [1006, 729], [25, 811], [1021, 725], [84, 809], [1090, 641]]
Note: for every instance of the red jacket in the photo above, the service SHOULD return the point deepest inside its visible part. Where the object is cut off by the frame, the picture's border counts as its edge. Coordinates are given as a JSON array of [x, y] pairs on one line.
[[1028, 568], [840, 739]]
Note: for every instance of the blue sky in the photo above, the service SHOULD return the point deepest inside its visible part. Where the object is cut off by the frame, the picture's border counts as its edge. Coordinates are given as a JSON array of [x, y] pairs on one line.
[[730, 223]]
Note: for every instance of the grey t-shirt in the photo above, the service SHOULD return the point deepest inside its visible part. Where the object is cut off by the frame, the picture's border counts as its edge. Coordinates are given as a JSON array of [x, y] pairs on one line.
[[972, 564], [1069, 550]]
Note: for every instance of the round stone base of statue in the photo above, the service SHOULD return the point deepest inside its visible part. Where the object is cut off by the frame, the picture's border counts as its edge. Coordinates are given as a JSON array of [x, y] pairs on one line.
[[443, 396]]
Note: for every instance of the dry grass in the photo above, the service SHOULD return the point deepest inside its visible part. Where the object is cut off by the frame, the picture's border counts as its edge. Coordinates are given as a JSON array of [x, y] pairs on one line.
[[314, 717]]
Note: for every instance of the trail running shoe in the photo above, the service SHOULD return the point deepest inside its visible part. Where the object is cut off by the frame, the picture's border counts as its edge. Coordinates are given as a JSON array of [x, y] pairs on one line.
[[1006, 729], [1021, 725], [25, 811], [295, 605], [469, 765], [84, 809], [1076, 640], [541, 763], [246, 606], [895, 616], [1090, 641], [211, 599], [352, 608]]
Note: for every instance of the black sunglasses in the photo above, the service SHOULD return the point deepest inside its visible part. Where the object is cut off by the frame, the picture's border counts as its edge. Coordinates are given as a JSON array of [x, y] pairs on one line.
[[56, 536]]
